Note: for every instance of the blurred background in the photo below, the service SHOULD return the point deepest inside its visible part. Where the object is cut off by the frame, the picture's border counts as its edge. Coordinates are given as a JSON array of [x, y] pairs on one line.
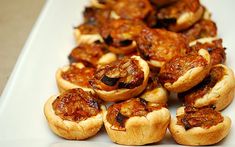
[[17, 18]]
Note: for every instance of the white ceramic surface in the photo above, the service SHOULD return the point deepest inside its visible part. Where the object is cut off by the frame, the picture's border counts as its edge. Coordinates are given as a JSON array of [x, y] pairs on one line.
[[22, 122]]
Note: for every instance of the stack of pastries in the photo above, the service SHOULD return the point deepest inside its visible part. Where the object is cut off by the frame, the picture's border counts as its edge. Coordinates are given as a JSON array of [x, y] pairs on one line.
[[130, 55]]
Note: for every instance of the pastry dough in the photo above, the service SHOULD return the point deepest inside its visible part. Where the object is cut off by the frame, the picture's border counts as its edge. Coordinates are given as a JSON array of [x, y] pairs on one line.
[[140, 130], [188, 79], [199, 135], [71, 129], [220, 95]]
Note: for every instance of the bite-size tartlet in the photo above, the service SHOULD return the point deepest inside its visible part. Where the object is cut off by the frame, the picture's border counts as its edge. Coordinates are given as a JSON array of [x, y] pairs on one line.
[[199, 126], [136, 122], [121, 80], [74, 114]]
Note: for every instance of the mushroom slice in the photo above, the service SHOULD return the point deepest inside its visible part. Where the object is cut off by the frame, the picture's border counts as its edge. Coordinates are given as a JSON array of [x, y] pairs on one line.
[[136, 122], [216, 89], [158, 46], [121, 80], [74, 114], [180, 15], [199, 126], [75, 75], [184, 72]]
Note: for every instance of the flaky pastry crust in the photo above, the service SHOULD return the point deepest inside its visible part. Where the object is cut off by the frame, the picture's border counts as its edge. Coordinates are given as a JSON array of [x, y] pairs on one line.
[[192, 77], [198, 135], [124, 94], [70, 129], [141, 130]]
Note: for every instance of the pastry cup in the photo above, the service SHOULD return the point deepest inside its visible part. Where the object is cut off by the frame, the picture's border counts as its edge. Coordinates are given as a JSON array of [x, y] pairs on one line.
[[222, 94], [186, 20], [192, 77], [140, 130], [123, 93], [199, 135], [70, 129], [63, 84], [86, 38]]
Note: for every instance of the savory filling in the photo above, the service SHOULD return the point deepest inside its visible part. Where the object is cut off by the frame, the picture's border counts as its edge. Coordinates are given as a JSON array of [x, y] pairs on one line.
[[121, 33], [78, 76], [178, 66], [215, 48], [201, 29], [88, 54], [153, 81], [119, 113], [131, 9], [190, 96], [123, 73], [88, 29], [76, 105], [168, 15], [160, 45], [205, 117]]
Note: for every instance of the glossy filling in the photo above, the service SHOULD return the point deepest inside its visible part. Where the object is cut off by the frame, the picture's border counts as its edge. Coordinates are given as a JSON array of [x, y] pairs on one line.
[[76, 105], [160, 45], [78, 76], [190, 96], [178, 66], [124, 73], [119, 113], [199, 117]]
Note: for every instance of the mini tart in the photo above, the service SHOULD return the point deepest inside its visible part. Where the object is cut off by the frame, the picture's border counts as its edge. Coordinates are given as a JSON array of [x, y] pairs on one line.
[[202, 29], [120, 35], [136, 122], [213, 45], [180, 15], [91, 55], [82, 36], [216, 89], [158, 46], [75, 75], [74, 114], [184, 72], [130, 9], [121, 80], [202, 126], [154, 91]]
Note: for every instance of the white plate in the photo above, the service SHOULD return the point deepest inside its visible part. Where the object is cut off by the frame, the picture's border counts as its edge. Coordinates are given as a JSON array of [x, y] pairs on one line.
[[22, 122]]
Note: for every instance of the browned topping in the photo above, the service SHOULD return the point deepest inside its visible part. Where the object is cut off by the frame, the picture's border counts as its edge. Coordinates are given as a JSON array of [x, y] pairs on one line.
[[88, 29], [178, 8], [76, 105], [121, 33], [78, 76], [178, 66], [160, 45], [123, 73], [201, 29], [119, 113], [153, 81], [89, 54], [160, 3], [190, 96], [95, 16], [216, 50], [131, 9], [204, 117]]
